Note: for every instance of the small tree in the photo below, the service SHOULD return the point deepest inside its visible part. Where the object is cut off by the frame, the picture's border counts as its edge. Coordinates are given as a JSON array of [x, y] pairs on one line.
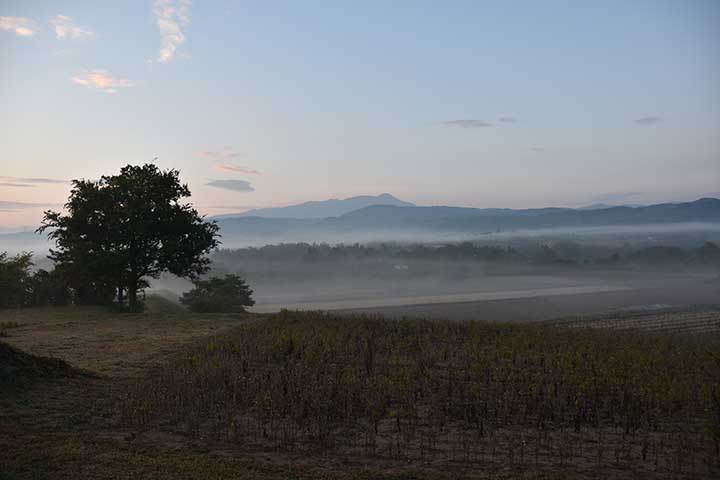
[[14, 279], [223, 295], [49, 288]]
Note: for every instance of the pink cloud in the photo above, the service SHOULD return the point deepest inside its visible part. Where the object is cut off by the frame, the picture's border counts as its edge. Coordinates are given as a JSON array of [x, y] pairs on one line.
[[102, 81], [23, 27], [65, 28]]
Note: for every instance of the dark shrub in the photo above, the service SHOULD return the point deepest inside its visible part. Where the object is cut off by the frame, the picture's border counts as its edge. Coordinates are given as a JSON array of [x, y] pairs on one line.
[[226, 295], [14, 279], [49, 288]]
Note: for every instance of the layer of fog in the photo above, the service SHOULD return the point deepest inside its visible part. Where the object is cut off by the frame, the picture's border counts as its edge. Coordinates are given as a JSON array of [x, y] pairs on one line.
[[240, 240], [393, 282], [29, 241]]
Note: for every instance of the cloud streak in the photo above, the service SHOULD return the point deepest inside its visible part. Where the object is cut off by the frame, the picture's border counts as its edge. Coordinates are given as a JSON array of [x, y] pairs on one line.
[[10, 184], [234, 185], [648, 120], [467, 123], [21, 26], [171, 16], [231, 168], [32, 180], [6, 205], [102, 81], [65, 28], [226, 153], [508, 119]]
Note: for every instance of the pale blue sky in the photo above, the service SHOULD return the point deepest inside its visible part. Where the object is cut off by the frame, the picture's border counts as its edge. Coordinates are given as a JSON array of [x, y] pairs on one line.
[[613, 101]]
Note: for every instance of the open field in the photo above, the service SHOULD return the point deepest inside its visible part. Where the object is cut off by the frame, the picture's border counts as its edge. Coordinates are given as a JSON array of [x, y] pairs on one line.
[[535, 306], [169, 394]]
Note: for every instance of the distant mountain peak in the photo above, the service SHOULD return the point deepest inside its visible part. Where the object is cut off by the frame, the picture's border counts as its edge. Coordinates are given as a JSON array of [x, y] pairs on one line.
[[318, 209]]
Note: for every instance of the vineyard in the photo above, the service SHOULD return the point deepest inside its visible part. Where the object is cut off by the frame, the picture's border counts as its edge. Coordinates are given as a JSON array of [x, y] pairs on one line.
[[444, 395], [696, 321]]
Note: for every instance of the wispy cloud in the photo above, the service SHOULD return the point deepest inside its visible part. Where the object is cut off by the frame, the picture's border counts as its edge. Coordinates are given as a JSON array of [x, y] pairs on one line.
[[235, 185], [6, 205], [648, 120], [22, 26], [65, 28], [226, 153], [467, 123], [231, 168], [11, 184], [171, 16], [508, 119], [538, 149], [32, 180], [102, 81]]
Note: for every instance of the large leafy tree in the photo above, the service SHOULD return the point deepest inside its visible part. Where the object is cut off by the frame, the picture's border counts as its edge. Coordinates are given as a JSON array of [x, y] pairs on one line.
[[123, 229]]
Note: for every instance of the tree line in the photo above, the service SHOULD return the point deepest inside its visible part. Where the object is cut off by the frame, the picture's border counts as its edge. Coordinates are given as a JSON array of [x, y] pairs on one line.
[[560, 253]]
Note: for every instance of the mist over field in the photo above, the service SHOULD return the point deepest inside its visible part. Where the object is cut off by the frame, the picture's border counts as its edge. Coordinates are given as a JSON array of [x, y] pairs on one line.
[[611, 267]]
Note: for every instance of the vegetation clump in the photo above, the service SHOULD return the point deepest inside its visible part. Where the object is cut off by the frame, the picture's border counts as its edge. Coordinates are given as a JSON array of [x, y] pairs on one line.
[[19, 287], [14, 279], [229, 294]]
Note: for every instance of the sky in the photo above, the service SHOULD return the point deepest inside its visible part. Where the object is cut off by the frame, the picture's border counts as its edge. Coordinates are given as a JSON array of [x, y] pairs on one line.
[[267, 103]]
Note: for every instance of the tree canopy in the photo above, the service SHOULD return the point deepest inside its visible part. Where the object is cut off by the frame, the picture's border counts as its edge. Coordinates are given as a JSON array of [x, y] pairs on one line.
[[123, 229]]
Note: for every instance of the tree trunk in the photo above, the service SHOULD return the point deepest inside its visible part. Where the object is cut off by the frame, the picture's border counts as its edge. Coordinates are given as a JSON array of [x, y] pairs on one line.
[[120, 295], [132, 295]]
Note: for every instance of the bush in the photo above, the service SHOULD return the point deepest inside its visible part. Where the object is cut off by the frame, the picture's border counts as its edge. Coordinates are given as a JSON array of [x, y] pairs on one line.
[[224, 295], [49, 288], [14, 279]]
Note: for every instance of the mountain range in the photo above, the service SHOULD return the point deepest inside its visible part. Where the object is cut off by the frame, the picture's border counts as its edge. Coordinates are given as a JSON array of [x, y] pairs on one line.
[[386, 218], [388, 222]]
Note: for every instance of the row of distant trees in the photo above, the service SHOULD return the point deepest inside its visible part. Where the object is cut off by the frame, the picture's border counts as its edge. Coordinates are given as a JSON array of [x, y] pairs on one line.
[[560, 253], [117, 233]]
